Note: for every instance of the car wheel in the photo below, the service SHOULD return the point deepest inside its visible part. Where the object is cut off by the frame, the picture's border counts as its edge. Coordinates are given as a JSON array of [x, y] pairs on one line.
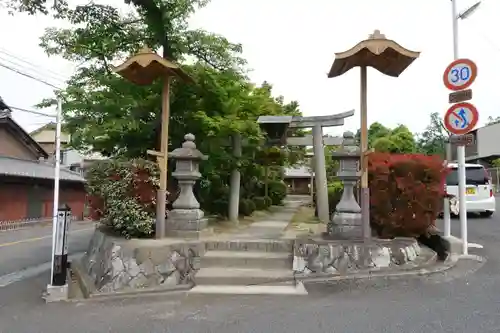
[[486, 214]]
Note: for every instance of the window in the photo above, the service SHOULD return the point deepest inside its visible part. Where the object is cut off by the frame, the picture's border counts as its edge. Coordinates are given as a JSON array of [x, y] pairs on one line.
[[473, 176]]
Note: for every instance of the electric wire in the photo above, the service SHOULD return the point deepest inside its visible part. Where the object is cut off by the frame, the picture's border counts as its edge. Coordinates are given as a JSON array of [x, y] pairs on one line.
[[34, 67], [31, 111], [15, 70]]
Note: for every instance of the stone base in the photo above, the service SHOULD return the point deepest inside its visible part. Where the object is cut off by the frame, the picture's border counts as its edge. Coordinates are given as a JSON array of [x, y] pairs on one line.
[[345, 226], [56, 293], [343, 257], [186, 223], [190, 234], [112, 264]]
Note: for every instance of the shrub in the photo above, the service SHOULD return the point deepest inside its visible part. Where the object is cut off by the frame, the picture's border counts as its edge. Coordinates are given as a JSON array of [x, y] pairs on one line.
[[268, 202], [247, 207], [122, 195], [334, 194], [406, 193], [277, 191], [260, 203], [219, 207]]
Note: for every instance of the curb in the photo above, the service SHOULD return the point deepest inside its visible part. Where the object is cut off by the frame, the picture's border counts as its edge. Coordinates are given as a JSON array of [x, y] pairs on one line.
[[423, 271], [184, 289], [6, 226]]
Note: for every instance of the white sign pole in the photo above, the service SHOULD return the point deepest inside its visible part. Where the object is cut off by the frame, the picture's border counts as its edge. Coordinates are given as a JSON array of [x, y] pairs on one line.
[[460, 149], [57, 168]]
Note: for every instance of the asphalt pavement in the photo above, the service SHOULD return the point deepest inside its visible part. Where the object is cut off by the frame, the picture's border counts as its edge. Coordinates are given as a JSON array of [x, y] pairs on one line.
[[29, 250], [463, 299]]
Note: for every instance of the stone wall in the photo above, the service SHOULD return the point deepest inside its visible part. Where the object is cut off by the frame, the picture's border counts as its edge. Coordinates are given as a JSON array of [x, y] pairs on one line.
[[112, 264], [345, 257]]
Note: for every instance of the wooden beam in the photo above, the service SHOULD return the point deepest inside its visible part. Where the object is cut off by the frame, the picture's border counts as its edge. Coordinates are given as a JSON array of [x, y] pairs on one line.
[[154, 153], [308, 141]]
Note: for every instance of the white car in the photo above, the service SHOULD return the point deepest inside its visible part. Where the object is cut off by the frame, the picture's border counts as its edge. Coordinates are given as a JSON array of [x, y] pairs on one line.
[[478, 188]]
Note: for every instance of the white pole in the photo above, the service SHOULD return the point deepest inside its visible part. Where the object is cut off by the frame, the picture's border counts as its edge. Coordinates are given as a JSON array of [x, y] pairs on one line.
[[460, 149], [446, 207], [56, 182], [235, 182], [461, 198], [455, 18]]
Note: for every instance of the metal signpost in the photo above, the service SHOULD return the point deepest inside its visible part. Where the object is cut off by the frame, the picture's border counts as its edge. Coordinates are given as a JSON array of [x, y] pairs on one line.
[[61, 246], [460, 96], [460, 119]]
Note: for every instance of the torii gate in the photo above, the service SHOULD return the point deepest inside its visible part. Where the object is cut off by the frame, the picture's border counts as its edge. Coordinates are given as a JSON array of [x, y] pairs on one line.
[[276, 128]]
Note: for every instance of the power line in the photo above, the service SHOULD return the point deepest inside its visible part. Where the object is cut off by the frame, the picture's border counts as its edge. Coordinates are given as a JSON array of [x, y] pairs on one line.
[[29, 71], [35, 67], [28, 76], [31, 111]]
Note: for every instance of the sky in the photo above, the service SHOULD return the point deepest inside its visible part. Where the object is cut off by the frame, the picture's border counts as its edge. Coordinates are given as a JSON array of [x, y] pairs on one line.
[[292, 45]]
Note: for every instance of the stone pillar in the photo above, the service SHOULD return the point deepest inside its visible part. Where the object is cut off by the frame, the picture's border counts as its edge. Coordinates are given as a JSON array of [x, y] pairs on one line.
[[186, 219], [234, 198], [346, 222], [320, 175]]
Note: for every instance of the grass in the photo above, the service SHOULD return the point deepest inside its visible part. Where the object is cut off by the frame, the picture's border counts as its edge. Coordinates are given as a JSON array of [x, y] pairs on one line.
[[305, 214], [223, 225], [304, 223]]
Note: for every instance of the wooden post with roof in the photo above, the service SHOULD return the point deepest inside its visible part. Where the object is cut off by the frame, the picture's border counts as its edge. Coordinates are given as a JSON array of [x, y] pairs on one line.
[[142, 69], [389, 58]]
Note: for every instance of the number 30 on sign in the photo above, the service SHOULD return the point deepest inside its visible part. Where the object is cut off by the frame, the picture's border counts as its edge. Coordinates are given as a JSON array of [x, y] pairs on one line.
[[460, 74]]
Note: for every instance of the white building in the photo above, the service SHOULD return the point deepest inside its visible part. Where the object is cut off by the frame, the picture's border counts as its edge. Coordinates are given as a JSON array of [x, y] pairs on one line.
[[70, 158]]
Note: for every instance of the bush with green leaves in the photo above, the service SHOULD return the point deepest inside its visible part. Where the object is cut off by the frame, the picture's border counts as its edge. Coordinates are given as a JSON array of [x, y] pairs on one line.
[[268, 201], [335, 190], [260, 203], [122, 195], [277, 191], [247, 207]]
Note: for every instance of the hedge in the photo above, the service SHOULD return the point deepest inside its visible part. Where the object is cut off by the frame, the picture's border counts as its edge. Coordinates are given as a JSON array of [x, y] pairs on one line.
[[406, 193]]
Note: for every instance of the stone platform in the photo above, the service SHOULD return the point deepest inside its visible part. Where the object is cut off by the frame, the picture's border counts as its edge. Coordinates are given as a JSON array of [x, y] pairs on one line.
[[320, 257], [261, 258]]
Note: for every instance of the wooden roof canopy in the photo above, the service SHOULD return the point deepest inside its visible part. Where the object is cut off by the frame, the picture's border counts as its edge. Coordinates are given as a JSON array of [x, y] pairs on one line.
[[383, 54], [146, 66]]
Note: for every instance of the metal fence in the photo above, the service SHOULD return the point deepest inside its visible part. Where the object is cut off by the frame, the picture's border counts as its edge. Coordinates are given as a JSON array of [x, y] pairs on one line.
[[495, 178]]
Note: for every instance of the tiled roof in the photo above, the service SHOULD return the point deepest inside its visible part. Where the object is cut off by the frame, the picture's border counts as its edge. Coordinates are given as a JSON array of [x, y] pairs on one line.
[[33, 169], [298, 172]]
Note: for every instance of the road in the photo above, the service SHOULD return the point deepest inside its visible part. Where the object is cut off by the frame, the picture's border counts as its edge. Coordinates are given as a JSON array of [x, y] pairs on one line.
[[464, 299], [27, 251]]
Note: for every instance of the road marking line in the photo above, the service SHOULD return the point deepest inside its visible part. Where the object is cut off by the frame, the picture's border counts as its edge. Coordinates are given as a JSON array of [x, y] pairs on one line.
[[39, 238], [32, 271]]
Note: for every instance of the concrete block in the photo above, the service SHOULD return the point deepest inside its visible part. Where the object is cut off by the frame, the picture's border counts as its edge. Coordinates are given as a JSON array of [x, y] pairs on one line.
[[455, 244], [298, 290], [56, 293]]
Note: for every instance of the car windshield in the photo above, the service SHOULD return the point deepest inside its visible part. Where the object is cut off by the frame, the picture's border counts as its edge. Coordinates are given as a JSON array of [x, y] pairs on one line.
[[474, 176]]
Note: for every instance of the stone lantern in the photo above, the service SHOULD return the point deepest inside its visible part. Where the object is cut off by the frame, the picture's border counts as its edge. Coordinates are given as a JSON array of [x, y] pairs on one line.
[[346, 222], [186, 219]]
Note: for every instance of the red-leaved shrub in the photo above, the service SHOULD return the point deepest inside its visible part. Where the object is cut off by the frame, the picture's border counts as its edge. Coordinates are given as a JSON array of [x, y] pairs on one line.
[[406, 193], [122, 195]]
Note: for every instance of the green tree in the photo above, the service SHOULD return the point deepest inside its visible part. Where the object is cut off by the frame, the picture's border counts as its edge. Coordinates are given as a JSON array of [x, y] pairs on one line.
[[398, 140], [376, 131], [107, 114], [492, 120], [432, 140]]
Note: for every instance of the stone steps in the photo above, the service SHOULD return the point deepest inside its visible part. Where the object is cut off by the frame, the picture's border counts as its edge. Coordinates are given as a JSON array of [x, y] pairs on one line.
[[253, 245], [240, 276], [247, 259], [248, 267]]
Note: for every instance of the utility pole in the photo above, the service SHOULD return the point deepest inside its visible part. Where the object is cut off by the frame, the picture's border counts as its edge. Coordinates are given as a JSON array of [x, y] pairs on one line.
[[462, 201]]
